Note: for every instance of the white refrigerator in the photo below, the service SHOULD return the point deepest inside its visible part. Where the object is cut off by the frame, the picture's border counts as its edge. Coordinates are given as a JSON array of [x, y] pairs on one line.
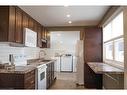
[[80, 62]]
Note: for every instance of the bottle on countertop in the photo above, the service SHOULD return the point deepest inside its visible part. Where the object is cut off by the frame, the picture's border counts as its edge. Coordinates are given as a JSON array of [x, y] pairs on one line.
[[11, 59]]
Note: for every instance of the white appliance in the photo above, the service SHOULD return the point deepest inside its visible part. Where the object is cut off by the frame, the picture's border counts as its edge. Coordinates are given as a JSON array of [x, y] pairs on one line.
[[66, 63], [41, 77], [30, 38], [80, 62]]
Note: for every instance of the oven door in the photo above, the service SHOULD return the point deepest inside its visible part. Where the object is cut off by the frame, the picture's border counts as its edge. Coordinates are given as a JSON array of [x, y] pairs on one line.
[[41, 78]]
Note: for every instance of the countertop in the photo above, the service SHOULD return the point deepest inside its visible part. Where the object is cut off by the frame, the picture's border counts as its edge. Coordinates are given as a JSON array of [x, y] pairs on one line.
[[31, 65], [100, 68], [37, 62], [18, 70]]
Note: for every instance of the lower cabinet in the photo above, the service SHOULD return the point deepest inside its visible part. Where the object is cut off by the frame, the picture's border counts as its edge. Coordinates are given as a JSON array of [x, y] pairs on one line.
[[113, 81], [17, 81], [91, 79], [50, 74]]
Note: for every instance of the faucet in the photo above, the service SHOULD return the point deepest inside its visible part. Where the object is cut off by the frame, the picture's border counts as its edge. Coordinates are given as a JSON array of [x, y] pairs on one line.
[[41, 51]]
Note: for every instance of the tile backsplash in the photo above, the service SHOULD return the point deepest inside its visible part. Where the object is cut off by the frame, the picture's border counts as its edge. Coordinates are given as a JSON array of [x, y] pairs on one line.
[[5, 50]]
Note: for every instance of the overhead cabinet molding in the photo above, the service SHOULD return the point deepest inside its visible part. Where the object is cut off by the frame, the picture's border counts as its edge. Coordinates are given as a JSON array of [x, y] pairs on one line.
[[13, 22]]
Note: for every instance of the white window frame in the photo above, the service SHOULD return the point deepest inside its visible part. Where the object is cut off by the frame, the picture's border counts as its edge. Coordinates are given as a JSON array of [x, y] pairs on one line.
[[109, 61]]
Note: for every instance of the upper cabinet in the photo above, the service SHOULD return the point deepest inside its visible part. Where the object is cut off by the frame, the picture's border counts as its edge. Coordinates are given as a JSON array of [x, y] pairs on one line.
[[18, 26], [7, 24], [39, 35], [31, 23], [14, 20], [25, 20], [45, 37]]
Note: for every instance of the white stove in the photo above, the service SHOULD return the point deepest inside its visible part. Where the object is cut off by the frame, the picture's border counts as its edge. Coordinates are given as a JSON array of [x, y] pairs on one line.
[[41, 76], [40, 79]]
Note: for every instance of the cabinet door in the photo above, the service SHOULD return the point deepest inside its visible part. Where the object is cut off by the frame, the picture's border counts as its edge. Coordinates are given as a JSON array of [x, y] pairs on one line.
[[45, 33], [31, 23], [93, 44], [39, 36], [11, 35], [42, 32], [35, 27], [25, 20], [48, 39], [48, 75], [18, 28], [29, 82], [4, 12], [52, 72], [91, 79]]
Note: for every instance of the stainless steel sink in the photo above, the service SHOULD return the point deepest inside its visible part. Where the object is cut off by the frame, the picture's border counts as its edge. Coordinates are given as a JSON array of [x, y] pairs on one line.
[[45, 60]]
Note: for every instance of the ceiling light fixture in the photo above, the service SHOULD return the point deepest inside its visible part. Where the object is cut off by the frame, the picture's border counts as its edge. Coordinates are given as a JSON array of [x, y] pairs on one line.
[[68, 15], [69, 22]]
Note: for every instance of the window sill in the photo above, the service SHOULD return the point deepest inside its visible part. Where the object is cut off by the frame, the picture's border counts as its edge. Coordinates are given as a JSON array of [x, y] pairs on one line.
[[116, 64]]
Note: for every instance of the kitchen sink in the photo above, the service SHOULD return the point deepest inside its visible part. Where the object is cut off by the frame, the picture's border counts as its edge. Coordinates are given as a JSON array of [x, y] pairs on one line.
[[45, 60]]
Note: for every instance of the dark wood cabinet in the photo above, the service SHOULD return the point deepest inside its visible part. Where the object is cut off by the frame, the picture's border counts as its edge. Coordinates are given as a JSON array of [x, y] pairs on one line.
[[48, 39], [93, 53], [17, 81], [93, 44], [45, 36], [12, 23], [31, 23], [42, 32], [18, 27], [25, 20], [50, 74], [39, 36], [7, 24], [35, 26], [91, 79], [14, 20]]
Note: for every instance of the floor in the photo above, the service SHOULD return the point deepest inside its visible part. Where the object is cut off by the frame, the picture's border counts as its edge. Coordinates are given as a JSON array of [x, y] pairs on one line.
[[66, 81]]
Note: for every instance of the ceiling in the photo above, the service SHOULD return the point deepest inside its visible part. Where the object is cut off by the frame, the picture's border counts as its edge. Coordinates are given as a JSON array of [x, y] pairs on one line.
[[56, 15]]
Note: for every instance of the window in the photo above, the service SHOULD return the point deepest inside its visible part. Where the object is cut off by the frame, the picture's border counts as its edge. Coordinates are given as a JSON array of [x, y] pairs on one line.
[[109, 50], [107, 34], [119, 50], [113, 40]]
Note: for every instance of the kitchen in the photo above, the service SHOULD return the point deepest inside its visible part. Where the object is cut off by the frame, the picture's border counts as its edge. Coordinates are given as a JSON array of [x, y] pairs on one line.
[[25, 46]]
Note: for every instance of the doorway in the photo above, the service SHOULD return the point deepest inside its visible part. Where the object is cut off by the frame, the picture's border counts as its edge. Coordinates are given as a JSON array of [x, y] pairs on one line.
[[63, 46]]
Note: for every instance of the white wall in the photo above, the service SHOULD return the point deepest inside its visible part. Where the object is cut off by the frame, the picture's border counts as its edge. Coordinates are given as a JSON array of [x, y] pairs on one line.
[[64, 42]]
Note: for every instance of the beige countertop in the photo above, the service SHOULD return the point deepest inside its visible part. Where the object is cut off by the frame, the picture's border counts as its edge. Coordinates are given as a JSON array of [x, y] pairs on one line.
[[31, 65], [37, 62], [18, 70], [100, 68]]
